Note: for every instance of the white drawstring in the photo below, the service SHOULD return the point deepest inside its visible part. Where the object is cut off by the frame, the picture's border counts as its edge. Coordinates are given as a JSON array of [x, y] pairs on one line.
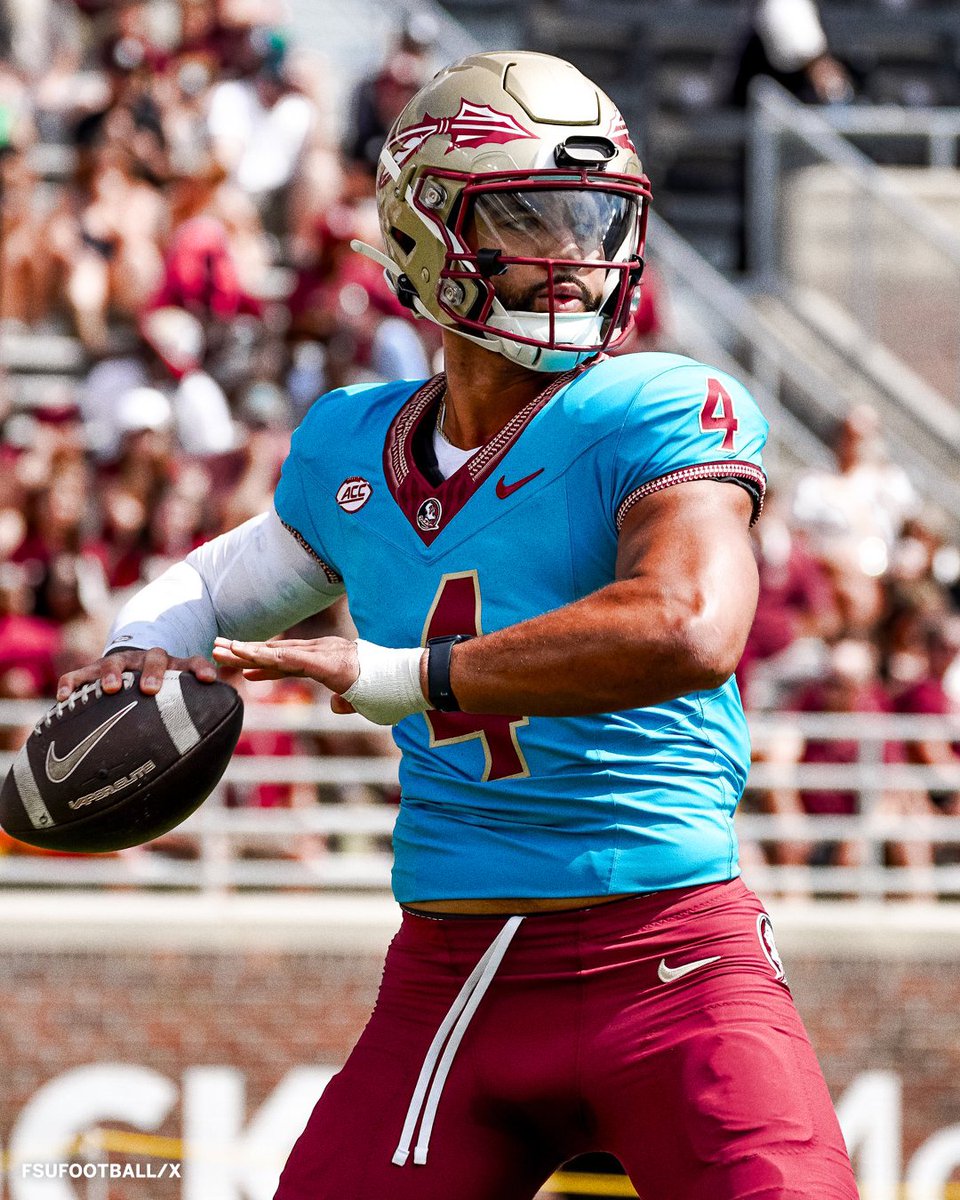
[[454, 1026]]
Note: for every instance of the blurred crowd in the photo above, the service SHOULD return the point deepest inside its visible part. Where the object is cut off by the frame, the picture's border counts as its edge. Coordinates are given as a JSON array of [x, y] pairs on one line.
[[859, 612], [176, 197]]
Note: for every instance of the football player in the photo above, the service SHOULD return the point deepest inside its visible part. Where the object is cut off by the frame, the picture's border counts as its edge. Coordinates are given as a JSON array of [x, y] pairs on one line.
[[546, 555]]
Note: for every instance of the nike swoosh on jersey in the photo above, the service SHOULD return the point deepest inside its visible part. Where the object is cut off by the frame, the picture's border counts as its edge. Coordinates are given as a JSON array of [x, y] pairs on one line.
[[672, 974], [59, 769], [505, 489]]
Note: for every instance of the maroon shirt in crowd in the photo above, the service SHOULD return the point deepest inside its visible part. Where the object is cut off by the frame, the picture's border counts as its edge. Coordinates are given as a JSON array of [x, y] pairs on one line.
[[828, 697]]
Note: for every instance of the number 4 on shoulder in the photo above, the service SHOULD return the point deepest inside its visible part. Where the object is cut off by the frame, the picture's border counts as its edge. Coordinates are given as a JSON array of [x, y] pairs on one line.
[[717, 413]]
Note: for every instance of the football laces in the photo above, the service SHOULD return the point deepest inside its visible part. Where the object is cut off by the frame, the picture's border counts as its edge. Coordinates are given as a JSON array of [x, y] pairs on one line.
[[82, 694]]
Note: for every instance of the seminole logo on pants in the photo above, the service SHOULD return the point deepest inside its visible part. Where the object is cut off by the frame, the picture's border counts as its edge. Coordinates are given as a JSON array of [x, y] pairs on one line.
[[769, 946]]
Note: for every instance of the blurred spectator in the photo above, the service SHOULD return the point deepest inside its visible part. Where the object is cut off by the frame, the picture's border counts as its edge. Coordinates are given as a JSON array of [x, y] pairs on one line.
[[203, 193], [787, 44], [200, 275], [27, 266], [106, 241], [342, 301], [854, 516], [217, 32], [29, 646], [927, 695], [850, 685], [382, 97], [798, 612], [870, 496], [260, 128]]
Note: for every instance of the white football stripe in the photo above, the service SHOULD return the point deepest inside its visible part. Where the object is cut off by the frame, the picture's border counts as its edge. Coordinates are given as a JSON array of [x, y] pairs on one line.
[[29, 793], [174, 714]]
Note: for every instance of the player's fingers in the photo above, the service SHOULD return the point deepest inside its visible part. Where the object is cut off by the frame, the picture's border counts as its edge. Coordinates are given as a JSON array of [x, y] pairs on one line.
[[199, 666], [276, 656], [259, 674], [155, 662], [340, 706], [238, 654], [74, 679], [225, 657], [112, 667]]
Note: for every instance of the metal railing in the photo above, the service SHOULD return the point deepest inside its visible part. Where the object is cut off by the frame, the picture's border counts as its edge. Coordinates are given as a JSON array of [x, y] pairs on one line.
[[716, 323], [719, 324], [823, 216], [871, 827], [344, 842]]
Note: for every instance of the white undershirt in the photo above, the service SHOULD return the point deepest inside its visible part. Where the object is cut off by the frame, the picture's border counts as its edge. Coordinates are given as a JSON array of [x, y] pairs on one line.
[[450, 458]]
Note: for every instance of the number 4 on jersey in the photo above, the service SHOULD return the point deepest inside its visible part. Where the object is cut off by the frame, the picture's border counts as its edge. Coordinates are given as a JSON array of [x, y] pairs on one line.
[[717, 413], [456, 609]]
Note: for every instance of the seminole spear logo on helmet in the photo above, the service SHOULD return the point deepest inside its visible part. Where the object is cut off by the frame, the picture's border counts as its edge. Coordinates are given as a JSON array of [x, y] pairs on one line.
[[473, 125], [620, 135]]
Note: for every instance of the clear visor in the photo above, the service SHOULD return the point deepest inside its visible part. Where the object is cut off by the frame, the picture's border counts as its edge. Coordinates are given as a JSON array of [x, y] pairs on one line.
[[557, 223]]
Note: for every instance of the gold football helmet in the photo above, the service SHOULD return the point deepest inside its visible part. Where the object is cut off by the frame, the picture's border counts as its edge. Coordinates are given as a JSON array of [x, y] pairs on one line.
[[513, 209]]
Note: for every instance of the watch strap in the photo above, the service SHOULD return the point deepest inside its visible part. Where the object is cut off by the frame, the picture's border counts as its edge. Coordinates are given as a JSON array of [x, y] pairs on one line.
[[439, 691]]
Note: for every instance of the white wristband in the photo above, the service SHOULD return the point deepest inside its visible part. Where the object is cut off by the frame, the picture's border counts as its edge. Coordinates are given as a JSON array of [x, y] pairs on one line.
[[388, 686]]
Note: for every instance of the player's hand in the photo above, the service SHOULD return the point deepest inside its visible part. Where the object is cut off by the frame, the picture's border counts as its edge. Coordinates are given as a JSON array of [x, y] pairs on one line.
[[332, 661], [150, 663]]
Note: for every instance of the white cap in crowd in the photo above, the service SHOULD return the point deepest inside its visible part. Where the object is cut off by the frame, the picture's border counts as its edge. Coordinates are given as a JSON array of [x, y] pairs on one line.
[[791, 33]]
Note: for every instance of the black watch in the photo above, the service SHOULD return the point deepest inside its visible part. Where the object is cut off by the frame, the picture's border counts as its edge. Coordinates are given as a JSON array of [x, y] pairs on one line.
[[439, 692]]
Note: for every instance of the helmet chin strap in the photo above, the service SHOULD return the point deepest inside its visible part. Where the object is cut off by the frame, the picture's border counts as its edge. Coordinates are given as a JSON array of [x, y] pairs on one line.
[[534, 358]]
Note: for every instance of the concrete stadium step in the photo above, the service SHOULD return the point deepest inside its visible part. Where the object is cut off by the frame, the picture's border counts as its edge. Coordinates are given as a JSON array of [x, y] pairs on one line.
[[924, 436]]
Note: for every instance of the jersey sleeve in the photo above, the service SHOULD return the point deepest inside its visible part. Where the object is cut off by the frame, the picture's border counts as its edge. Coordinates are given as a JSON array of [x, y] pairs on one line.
[[688, 423]]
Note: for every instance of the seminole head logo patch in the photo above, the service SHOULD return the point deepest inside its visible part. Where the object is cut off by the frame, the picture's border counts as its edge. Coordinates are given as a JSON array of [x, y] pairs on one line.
[[769, 946], [429, 514]]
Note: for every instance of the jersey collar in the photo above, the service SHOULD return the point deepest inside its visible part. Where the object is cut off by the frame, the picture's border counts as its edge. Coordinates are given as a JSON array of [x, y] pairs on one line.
[[431, 507]]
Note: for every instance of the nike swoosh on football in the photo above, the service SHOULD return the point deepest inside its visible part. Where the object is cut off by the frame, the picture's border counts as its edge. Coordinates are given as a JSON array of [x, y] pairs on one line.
[[59, 769], [505, 489], [672, 974]]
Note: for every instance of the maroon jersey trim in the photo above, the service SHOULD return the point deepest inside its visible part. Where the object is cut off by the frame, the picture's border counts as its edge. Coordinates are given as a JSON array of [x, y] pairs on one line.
[[430, 508], [734, 469], [332, 575]]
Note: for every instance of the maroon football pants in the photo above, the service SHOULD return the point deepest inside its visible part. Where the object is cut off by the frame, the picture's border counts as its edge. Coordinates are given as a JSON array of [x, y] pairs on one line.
[[656, 1028]]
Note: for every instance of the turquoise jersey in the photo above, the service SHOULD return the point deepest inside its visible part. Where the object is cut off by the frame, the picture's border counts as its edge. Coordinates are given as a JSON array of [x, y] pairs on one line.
[[528, 806]]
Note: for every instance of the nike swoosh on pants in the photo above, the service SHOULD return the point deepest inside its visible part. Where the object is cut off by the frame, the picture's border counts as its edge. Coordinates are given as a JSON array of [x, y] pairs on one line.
[[672, 974]]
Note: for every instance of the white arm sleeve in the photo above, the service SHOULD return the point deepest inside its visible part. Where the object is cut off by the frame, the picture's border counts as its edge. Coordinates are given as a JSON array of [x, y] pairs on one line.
[[249, 584]]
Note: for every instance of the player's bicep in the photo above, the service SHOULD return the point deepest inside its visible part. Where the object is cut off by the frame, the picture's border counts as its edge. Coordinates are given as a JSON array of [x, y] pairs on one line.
[[691, 543]]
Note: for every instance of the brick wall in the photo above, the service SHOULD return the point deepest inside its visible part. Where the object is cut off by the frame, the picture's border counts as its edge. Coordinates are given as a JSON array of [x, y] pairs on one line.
[[264, 1012]]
